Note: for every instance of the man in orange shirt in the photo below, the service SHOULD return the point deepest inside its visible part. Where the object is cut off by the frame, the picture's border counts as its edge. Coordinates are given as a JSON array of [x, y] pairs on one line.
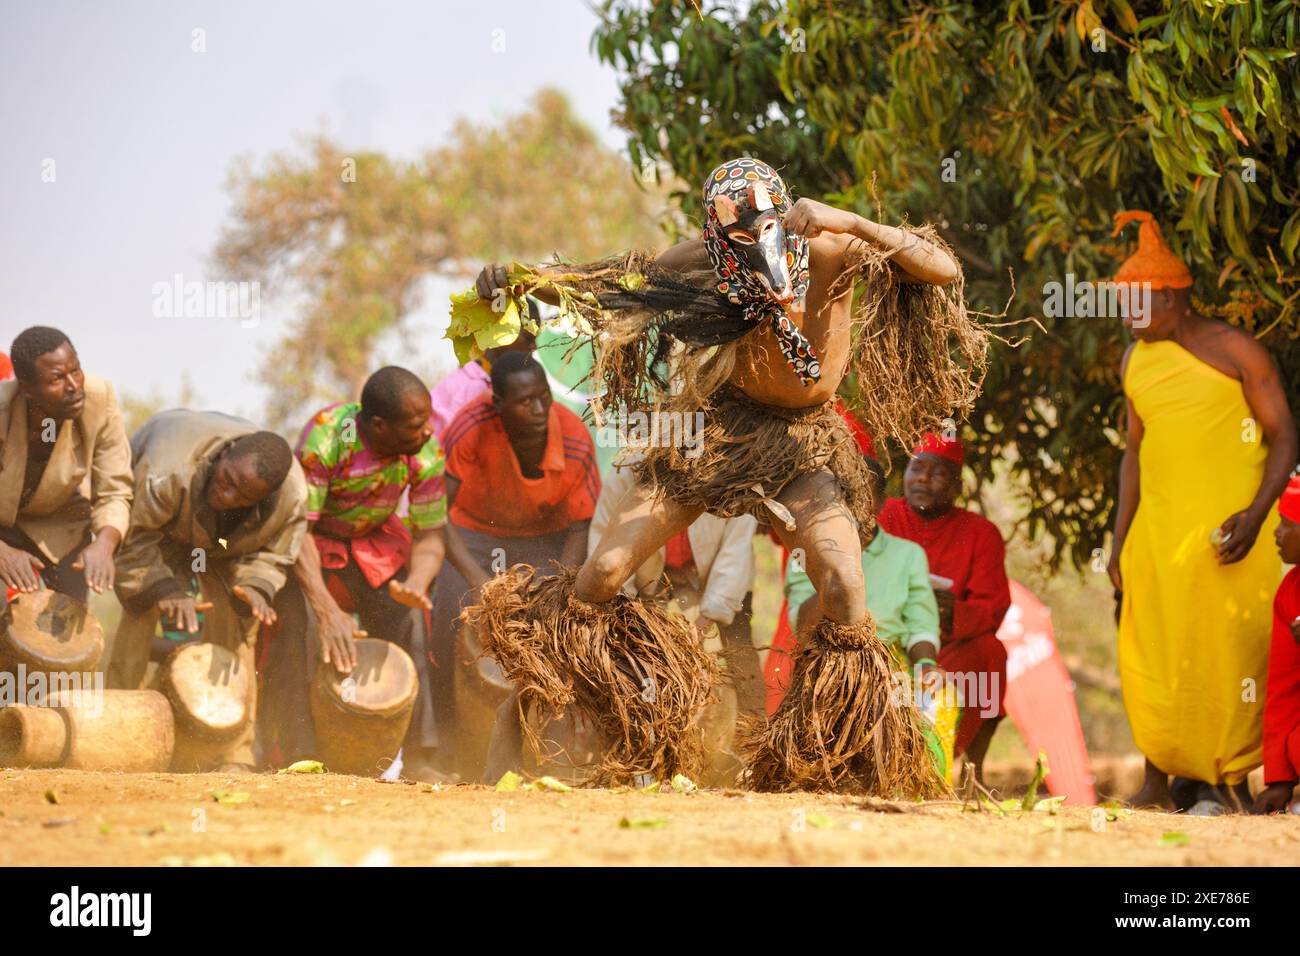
[[522, 485]]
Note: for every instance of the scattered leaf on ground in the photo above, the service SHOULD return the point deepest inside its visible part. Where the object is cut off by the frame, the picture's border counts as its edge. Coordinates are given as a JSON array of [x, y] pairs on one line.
[[230, 797], [819, 820], [1174, 838], [51, 796], [683, 783], [509, 781], [550, 783], [305, 766], [1049, 805], [642, 823]]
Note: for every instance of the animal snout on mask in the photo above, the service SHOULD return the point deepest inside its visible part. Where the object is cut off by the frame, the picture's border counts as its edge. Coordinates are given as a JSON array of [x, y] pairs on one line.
[[756, 234]]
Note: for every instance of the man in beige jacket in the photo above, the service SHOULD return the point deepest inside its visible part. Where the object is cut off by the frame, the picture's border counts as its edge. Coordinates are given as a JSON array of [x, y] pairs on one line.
[[65, 471], [218, 503], [710, 566]]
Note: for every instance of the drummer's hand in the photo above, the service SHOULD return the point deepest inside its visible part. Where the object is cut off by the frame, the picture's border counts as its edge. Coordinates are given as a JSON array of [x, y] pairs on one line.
[[1295, 630], [183, 610], [18, 568], [493, 277], [97, 561], [257, 603], [410, 594], [338, 636]]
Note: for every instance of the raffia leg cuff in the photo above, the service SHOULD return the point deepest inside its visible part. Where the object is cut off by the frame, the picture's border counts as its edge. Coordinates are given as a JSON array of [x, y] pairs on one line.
[[843, 725], [639, 674]]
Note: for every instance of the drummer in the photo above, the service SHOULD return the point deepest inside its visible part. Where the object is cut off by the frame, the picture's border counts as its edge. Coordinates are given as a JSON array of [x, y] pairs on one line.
[[359, 459], [60, 433], [522, 485], [219, 514]]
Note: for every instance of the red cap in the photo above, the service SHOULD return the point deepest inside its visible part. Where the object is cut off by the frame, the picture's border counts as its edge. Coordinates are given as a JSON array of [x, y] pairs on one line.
[[6, 367], [933, 444], [1288, 506]]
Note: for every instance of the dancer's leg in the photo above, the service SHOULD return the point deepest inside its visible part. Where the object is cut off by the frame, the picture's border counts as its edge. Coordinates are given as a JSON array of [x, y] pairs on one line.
[[641, 525], [827, 538]]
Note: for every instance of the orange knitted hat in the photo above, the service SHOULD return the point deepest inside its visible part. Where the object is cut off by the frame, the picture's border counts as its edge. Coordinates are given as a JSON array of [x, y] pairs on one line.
[[1154, 261]]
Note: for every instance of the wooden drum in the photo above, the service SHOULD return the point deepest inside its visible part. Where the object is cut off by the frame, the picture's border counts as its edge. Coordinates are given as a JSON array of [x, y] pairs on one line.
[[211, 691], [361, 718], [50, 632]]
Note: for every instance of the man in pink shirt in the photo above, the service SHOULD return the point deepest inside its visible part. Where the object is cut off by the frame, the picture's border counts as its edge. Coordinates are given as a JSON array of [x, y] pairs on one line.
[[472, 380]]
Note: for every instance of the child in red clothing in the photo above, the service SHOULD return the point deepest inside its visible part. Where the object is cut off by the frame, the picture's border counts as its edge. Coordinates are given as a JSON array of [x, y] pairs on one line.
[[1282, 696]]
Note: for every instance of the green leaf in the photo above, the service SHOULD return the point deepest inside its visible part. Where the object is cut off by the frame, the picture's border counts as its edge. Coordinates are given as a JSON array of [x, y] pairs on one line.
[[305, 766], [509, 781], [1040, 771], [550, 783], [1291, 236], [1174, 838], [1049, 804], [1126, 17], [642, 823], [683, 783], [228, 798]]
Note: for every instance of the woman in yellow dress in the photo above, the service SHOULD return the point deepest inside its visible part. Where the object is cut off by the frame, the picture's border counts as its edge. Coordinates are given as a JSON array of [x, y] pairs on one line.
[[1210, 445]]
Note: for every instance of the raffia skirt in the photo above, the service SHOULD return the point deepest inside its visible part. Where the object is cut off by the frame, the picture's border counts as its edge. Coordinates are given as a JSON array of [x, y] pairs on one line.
[[748, 452]]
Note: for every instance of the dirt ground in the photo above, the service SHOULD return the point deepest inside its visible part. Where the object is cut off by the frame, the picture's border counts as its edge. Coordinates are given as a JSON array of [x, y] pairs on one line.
[[67, 817]]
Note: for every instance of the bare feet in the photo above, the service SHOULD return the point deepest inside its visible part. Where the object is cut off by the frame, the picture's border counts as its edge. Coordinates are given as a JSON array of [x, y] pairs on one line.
[[1151, 798], [1275, 798], [1154, 794]]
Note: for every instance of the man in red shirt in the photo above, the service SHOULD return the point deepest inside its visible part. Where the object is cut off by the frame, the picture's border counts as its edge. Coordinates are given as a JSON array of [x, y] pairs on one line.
[[966, 550], [522, 485], [1282, 695]]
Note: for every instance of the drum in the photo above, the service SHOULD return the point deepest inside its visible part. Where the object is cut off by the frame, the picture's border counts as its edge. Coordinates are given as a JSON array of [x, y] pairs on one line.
[[130, 731], [479, 688], [211, 692], [49, 632], [361, 718]]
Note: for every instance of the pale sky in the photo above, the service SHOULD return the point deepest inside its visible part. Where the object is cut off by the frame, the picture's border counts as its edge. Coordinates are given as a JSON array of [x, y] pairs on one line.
[[142, 131]]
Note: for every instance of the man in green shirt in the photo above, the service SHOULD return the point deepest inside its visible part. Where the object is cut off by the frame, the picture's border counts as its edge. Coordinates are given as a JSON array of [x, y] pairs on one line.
[[899, 593]]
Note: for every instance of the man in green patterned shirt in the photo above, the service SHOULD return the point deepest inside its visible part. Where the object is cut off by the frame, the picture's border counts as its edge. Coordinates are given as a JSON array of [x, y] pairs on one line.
[[359, 460]]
